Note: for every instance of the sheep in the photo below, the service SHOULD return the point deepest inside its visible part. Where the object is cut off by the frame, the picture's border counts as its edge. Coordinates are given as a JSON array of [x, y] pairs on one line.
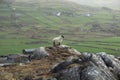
[[57, 40]]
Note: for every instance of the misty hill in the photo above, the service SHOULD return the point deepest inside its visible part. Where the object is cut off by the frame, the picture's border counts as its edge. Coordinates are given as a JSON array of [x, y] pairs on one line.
[[114, 4], [41, 15]]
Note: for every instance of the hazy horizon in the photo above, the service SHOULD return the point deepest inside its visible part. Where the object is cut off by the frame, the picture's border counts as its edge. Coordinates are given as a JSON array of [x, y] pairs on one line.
[[114, 4]]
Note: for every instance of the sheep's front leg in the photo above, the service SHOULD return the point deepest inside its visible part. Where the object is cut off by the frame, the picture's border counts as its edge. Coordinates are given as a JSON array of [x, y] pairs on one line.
[[59, 44], [54, 44]]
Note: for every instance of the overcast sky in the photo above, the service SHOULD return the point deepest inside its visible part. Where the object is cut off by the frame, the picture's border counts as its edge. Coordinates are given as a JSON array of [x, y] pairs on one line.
[[107, 3]]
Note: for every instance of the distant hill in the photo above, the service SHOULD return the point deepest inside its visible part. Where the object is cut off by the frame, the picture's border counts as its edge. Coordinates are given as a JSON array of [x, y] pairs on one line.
[[113, 4], [40, 16]]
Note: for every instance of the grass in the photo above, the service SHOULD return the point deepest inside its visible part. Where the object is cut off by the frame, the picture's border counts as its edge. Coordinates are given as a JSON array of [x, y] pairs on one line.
[[109, 45], [9, 46]]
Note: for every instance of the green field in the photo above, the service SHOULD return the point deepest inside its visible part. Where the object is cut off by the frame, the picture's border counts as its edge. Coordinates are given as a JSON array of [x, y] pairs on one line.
[[109, 45], [34, 24]]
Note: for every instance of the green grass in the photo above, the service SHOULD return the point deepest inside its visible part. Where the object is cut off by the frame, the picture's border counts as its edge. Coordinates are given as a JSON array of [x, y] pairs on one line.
[[8, 46], [110, 45]]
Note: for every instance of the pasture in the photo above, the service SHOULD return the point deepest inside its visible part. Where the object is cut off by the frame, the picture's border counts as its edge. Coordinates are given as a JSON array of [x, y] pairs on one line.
[[109, 45]]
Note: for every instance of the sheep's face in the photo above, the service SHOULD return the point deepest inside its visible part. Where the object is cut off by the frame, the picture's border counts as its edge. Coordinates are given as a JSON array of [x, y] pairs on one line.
[[62, 36]]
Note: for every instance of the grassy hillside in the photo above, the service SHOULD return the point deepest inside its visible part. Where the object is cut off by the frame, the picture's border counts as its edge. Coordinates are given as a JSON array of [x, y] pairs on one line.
[[31, 24]]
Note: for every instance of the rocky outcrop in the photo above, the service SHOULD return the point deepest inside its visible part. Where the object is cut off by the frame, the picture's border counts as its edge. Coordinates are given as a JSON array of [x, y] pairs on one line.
[[61, 63], [12, 59], [85, 66], [39, 53], [100, 66], [17, 58]]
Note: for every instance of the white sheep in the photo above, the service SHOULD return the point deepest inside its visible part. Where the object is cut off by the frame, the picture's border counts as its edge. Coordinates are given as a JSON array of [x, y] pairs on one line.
[[57, 40]]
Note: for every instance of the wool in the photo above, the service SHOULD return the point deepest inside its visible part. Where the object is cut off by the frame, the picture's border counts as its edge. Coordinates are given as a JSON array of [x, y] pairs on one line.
[[57, 40]]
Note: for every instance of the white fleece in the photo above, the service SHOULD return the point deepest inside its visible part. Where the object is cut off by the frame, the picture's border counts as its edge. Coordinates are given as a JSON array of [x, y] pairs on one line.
[[57, 40]]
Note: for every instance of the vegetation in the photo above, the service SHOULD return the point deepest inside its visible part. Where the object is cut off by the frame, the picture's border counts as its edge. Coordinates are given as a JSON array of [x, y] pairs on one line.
[[31, 24]]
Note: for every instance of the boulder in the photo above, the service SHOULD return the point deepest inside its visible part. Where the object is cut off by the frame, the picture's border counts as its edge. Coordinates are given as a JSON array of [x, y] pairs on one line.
[[17, 58], [3, 60], [111, 62], [100, 66], [97, 70], [69, 74], [60, 66], [39, 53], [28, 51]]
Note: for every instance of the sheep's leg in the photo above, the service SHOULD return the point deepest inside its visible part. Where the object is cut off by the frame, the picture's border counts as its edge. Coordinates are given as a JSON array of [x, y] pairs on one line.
[[54, 43], [59, 44]]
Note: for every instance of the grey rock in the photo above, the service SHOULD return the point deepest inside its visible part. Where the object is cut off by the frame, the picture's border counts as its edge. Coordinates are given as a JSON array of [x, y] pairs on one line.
[[112, 62], [100, 66], [60, 66], [93, 72], [86, 56], [39, 53], [28, 51], [17, 58], [70, 74], [3, 59]]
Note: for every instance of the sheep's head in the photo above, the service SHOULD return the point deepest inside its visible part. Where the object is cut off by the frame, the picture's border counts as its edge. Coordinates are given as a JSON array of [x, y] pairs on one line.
[[62, 36]]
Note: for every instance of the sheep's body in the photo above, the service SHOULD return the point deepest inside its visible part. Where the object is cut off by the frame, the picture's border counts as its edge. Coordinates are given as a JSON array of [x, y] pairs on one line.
[[57, 40]]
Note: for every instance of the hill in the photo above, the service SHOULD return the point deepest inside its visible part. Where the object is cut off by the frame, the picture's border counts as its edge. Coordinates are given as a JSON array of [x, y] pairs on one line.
[[114, 4], [36, 22]]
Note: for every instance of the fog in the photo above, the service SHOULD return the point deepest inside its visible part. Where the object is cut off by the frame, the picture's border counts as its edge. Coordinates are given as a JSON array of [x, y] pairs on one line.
[[114, 4]]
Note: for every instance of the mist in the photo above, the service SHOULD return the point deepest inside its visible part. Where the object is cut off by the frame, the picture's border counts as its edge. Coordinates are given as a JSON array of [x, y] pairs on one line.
[[113, 4]]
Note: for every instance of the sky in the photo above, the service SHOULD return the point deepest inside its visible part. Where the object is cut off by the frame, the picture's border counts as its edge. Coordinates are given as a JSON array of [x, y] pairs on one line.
[[114, 4]]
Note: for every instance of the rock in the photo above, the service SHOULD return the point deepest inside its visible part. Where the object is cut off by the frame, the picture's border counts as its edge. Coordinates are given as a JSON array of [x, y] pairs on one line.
[[60, 66], [96, 72], [91, 67], [118, 57], [28, 51], [106, 59], [12, 59], [3, 60], [112, 62], [69, 74], [39, 53], [7, 64], [118, 75], [86, 56], [17, 58]]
